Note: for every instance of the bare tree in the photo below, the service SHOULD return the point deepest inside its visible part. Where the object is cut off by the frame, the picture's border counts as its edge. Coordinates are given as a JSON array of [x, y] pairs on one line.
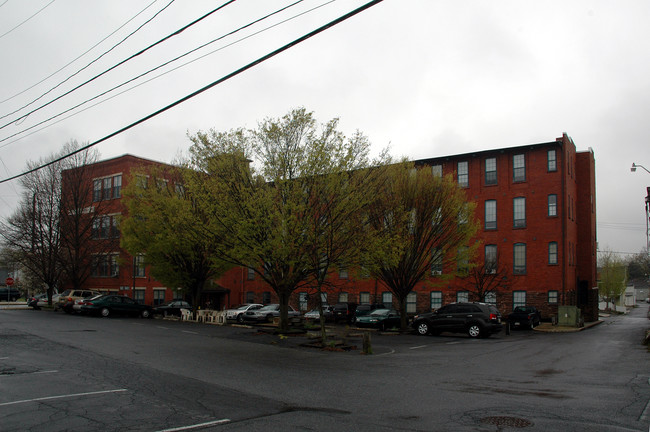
[[488, 278]]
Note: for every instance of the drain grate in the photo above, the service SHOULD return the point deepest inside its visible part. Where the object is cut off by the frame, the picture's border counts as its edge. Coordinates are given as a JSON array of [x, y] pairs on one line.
[[501, 421]]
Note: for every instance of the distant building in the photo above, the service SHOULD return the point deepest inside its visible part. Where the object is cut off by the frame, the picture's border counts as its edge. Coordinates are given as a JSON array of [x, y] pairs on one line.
[[537, 210]]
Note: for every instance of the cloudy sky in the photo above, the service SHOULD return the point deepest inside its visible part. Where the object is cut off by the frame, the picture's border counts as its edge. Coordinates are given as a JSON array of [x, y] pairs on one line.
[[427, 78]]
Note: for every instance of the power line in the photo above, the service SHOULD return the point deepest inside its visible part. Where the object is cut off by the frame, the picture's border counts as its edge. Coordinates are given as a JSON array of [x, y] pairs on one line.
[[74, 60], [167, 63], [39, 11], [205, 88], [177, 32]]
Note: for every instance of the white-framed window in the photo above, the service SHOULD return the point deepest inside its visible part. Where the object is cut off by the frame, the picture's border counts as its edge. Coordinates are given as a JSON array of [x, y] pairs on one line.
[[552, 253], [303, 298], [364, 298], [436, 300], [158, 296], [323, 297], [463, 174], [491, 298], [97, 190], [107, 192], [138, 264], [553, 297], [139, 295], [343, 297], [436, 170], [343, 273], [518, 168], [117, 186], [518, 299], [519, 212], [551, 160], [436, 261], [552, 205], [462, 296], [519, 258], [491, 214], [387, 298], [250, 273], [411, 302], [490, 171]]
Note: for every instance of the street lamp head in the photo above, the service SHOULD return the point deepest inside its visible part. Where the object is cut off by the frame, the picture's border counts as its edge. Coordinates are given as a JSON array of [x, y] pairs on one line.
[[633, 169]]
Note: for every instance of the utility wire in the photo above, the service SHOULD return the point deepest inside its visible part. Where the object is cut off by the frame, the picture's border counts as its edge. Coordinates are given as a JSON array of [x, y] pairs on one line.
[[205, 88], [39, 11], [4, 3], [79, 71], [168, 62], [177, 32], [78, 57]]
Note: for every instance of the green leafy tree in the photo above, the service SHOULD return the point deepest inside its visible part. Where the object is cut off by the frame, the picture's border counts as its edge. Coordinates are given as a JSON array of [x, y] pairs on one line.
[[639, 265], [164, 225], [613, 275], [425, 219], [267, 190]]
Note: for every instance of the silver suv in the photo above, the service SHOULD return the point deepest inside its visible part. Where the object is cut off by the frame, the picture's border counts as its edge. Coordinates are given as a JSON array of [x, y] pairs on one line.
[[68, 297]]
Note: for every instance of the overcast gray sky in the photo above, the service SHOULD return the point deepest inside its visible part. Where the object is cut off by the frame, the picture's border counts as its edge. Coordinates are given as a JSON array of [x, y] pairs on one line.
[[429, 78]]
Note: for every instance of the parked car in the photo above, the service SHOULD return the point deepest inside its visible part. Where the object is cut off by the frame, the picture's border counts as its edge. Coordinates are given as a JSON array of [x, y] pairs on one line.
[[106, 305], [172, 308], [475, 319], [381, 319], [267, 313], [67, 298], [9, 293], [344, 312], [37, 301], [366, 309], [314, 314], [238, 312], [525, 316]]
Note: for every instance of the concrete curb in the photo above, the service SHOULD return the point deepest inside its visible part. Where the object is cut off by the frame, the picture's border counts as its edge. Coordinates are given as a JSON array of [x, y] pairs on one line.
[[550, 328]]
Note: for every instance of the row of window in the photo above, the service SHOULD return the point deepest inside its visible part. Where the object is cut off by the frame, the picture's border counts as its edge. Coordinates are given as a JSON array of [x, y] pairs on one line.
[[518, 211], [107, 188], [108, 265], [490, 169], [105, 227]]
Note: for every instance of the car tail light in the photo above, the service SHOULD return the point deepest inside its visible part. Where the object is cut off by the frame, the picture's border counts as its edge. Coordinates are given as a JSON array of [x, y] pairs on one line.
[[493, 317]]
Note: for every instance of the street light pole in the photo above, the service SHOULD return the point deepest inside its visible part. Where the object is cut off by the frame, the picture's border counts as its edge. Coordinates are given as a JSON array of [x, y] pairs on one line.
[[635, 166], [647, 208]]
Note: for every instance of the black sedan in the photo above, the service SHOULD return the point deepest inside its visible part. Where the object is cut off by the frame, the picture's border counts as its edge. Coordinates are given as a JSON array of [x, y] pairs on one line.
[[524, 316], [172, 308], [381, 319], [107, 305]]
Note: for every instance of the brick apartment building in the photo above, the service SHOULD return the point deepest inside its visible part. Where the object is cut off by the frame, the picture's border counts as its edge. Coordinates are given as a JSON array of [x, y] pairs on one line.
[[536, 209]]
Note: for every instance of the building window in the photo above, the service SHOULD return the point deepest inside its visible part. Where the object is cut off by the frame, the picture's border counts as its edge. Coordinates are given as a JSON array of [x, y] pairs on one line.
[[266, 297], [138, 266], [364, 298], [302, 301], [491, 214], [436, 170], [490, 171], [141, 181], [551, 160], [107, 193], [343, 273], [411, 302], [97, 190], [553, 297], [552, 253], [519, 212], [462, 296], [518, 168], [250, 297], [117, 186], [343, 297], [115, 266], [518, 299], [436, 300], [491, 298], [462, 259], [552, 205], [490, 259], [387, 299], [436, 261], [139, 296], [250, 274], [158, 297], [323, 298], [463, 174], [180, 190], [519, 258]]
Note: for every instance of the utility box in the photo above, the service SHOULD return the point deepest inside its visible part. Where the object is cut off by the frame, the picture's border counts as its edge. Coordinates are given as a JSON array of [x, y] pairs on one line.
[[570, 316]]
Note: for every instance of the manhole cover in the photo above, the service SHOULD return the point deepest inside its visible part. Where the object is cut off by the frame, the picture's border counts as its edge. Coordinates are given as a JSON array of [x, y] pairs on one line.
[[507, 421]]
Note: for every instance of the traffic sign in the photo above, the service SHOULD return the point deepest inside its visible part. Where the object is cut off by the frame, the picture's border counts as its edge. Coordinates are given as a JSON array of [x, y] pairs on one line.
[[9, 281]]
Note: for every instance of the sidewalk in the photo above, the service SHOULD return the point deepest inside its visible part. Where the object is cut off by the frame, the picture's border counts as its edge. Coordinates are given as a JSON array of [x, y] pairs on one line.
[[550, 328]]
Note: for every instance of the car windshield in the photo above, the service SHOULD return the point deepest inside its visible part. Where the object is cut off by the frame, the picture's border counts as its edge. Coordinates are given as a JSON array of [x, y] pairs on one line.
[[380, 312], [520, 309]]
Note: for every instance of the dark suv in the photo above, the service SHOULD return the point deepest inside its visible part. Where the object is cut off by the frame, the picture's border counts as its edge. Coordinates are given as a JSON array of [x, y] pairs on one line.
[[475, 319], [344, 312]]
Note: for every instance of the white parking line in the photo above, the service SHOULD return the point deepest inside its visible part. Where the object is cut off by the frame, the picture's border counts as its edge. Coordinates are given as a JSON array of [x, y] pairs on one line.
[[452, 343], [418, 347], [44, 372], [199, 425], [190, 332], [164, 328], [61, 397]]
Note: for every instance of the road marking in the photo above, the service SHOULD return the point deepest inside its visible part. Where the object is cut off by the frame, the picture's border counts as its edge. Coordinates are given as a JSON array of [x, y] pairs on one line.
[[391, 352], [61, 397], [418, 347], [187, 331], [452, 343], [43, 372], [199, 425], [164, 328], [644, 414], [4, 358]]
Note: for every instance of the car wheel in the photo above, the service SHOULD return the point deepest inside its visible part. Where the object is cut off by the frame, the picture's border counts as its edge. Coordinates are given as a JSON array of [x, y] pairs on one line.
[[269, 318], [105, 312], [422, 328], [240, 318], [474, 330], [532, 324], [146, 313]]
